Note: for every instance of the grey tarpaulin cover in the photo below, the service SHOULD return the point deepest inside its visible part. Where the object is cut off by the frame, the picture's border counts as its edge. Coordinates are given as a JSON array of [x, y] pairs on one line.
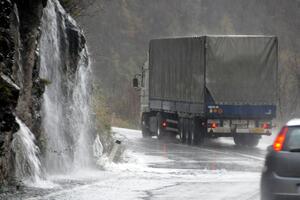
[[242, 70], [235, 69], [177, 69]]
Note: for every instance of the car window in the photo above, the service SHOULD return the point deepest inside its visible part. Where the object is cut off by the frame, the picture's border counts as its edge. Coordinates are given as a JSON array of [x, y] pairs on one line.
[[294, 138]]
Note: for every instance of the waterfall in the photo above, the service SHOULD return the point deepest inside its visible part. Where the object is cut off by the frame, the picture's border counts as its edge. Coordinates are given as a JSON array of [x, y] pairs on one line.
[[54, 121], [66, 101], [80, 115], [27, 163]]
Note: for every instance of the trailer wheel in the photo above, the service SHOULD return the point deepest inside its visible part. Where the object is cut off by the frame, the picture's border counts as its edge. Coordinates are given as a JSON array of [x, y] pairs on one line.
[[238, 140], [182, 130], [188, 131], [160, 132], [252, 140], [197, 132], [246, 140], [145, 130], [194, 132], [202, 130], [185, 130]]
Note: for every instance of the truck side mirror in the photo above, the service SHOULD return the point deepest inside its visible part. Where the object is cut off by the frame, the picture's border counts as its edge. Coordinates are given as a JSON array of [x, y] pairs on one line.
[[135, 82]]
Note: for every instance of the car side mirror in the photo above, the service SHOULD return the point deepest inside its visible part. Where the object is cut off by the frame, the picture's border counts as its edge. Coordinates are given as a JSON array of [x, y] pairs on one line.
[[135, 82]]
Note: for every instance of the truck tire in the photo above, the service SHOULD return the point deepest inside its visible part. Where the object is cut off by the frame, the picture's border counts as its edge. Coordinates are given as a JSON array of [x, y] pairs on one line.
[[160, 132], [203, 130], [252, 140], [185, 130], [182, 137], [145, 126], [188, 131], [197, 131], [246, 140], [238, 139], [194, 132]]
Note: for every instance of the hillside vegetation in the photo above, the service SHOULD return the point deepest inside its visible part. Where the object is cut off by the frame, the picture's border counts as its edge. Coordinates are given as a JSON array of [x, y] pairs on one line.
[[118, 32]]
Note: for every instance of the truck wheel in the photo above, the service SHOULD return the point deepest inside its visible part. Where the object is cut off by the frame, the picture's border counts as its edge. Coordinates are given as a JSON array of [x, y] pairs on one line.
[[181, 130], [194, 132], [203, 130], [188, 131], [197, 132], [160, 132], [246, 140], [185, 130], [237, 138], [144, 125], [252, 140]]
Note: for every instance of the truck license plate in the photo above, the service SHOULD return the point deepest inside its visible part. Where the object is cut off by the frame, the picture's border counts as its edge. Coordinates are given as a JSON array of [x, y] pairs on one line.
[[257, 130]]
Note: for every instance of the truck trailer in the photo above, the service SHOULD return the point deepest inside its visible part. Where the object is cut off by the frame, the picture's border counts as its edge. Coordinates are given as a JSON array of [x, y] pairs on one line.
[[209, 87]]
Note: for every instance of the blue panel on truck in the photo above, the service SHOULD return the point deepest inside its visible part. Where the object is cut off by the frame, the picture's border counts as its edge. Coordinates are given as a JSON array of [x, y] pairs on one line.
[[241, 111]]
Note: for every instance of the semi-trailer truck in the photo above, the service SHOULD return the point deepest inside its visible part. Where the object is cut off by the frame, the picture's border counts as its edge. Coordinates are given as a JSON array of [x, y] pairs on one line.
[[208, 87]]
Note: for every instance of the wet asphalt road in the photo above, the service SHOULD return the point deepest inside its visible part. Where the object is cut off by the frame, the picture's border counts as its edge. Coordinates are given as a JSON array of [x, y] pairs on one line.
[[165, 169]]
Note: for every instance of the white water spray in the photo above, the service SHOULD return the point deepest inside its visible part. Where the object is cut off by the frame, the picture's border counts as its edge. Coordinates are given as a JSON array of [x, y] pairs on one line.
[[97, 148], [27, 163], [81, 122], [57, 158]]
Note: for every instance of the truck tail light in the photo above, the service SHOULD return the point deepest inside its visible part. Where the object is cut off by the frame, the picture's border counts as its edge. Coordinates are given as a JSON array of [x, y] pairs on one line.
[[278, 144], [266, 126], [164, 124], [213, 125]]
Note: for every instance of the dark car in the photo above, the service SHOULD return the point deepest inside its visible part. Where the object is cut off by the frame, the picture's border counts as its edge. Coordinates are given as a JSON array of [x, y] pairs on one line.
[[281, 174]]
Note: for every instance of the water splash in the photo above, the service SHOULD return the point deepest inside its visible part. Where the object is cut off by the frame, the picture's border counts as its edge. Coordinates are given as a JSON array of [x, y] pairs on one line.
[[27, 163], [81, 122], [97, 148]]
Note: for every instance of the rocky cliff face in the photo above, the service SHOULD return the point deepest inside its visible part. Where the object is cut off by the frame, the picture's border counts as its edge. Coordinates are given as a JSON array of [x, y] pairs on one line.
[[21, 88], [29, 14]]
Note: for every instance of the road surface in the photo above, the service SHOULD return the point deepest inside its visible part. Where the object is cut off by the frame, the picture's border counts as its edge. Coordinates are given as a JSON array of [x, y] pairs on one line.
[[154, 169]]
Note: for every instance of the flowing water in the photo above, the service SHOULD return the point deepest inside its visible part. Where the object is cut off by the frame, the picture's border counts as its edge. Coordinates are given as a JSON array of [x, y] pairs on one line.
[[57, 157], [80, 113], [66, 101], [27, 163]]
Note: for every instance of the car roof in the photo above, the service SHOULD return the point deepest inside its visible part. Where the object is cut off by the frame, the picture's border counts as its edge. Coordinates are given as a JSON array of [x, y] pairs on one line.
[[293, 122]]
